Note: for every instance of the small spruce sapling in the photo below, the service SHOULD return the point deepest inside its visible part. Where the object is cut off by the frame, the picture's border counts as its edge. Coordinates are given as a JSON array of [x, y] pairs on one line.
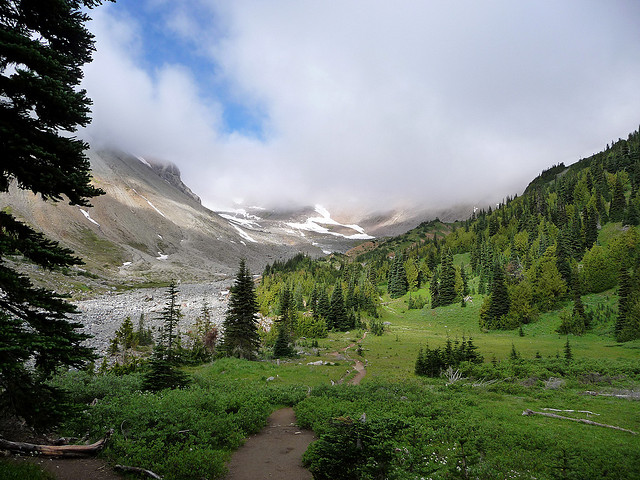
[[568, 355]]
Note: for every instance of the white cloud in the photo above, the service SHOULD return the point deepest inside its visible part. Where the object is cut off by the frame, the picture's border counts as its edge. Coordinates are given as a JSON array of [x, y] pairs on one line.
[[371, 102]]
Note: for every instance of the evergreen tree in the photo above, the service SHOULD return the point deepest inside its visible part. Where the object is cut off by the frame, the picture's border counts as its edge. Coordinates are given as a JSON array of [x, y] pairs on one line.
[[241, 337], [315, 312], [170, 317], [43, 46], [162, 372], [578, 306], [465, 283], [143, 334], [337, 318], [575, 237], [563, 255], [632, 214], [203, 336], [624, 292], [284, 325], [514, 354], [447, 289], [123, 341], [498, 302], [568, 355], [324, 306], [433, 288], [397, 282], [618, 202], [287, 309], [282, 347], [590, 227]]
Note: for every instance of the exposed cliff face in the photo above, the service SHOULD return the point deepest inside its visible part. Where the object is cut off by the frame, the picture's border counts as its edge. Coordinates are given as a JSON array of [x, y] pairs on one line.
[[171, 173]]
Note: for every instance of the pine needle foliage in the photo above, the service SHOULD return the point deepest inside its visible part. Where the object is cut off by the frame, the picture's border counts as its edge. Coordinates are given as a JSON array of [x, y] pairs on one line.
[[43, 46]]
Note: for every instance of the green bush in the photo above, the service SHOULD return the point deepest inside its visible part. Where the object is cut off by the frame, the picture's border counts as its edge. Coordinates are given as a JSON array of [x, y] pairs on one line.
[[409, 431], [181, 434], [83, 387]]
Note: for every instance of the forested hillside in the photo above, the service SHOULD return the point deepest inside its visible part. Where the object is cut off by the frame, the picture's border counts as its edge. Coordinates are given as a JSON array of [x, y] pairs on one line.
[[574, 231]]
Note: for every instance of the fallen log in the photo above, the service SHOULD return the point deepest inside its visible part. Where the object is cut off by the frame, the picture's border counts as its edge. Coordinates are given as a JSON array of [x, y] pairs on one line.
[[572, 411], [55, 450], [144, 471], [635, 395], [580, 420]]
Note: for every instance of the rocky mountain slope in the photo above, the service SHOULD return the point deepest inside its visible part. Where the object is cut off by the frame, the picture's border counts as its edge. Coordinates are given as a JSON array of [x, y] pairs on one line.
[[149, 226]]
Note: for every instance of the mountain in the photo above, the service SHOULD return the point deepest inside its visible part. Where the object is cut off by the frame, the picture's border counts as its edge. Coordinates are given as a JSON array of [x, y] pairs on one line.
[[150, 226]]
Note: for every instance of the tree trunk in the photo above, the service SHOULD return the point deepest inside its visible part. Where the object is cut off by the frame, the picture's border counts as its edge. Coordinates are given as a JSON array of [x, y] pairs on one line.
[[55, 450]]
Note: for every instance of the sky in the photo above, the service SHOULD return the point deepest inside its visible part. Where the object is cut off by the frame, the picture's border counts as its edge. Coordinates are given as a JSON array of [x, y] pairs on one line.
[[365, 104]]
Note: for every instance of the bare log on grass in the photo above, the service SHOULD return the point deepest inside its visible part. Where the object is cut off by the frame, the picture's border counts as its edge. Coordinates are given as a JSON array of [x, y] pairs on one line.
[[631, 394], [55, 450], [143, 471], [571, 411], [580, 420]]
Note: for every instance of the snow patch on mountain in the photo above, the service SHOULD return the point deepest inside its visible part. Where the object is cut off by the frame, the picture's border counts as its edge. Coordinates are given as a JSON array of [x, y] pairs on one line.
[[248, 221], [315, 224], [144, 161], [150, 204], [88, 217], [244, 234]]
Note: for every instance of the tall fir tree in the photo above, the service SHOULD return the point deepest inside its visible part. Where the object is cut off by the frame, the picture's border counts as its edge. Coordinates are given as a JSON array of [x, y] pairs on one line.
[[624, 303], [590, 227], [284, 324], [632, 214], [170, 317], [43, 47], [465, 282], [313, 303], [324, 305], [496, 307], [434, 288], [241, 337], [337, 319], [447, 289], [162, 373], [397, 281], [618, 202], [563, 255]]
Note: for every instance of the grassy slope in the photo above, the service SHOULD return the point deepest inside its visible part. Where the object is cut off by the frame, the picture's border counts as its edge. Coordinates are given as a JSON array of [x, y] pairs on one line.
[[412, 329]]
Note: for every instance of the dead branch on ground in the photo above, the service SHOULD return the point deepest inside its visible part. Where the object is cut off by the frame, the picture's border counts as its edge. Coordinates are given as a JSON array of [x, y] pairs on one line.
[[571, 411], [55, 450], [580, 420], [143, 471]]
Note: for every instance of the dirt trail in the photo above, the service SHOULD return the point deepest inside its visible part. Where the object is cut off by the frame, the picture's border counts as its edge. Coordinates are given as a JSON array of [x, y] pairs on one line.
[[359, 366], [274, 453], [74, 468], [360, 375]]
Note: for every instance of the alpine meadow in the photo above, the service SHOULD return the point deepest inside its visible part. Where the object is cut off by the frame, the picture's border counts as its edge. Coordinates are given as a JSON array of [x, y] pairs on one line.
[[503, 345]]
